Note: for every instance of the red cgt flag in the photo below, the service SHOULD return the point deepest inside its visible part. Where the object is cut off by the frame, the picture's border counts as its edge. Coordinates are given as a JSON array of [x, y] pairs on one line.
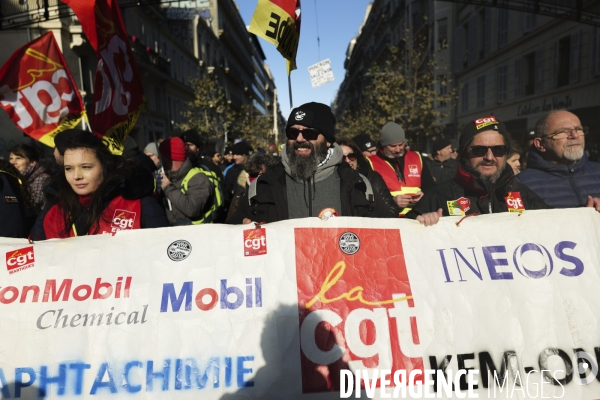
[[118, 91], [37, 90]]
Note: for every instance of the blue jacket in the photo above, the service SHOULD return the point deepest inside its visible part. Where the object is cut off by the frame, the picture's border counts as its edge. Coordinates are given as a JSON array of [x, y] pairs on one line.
[[562, 186]]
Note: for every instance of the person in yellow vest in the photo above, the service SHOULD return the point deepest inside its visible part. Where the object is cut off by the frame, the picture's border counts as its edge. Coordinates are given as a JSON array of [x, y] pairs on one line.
[[187, 190], [403, 171]]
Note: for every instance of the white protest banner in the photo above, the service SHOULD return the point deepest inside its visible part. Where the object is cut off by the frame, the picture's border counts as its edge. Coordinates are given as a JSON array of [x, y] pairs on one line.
[[320, 73], [505, 304]]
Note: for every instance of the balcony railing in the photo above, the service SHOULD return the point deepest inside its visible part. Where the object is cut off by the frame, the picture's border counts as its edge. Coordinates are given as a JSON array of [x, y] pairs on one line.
[[146, 54]]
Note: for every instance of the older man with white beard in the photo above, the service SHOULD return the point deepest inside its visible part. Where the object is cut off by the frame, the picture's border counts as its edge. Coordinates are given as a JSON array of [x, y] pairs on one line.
[[311, 180], [558, 170]]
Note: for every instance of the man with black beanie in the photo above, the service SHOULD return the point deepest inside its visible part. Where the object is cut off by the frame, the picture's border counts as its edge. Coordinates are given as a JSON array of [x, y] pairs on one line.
[[484, 182], [311, 180], [442, 166]]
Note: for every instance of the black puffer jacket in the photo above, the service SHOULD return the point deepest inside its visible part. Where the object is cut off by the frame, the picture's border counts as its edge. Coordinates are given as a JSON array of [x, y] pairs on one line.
[[484, 197], [270, 202]]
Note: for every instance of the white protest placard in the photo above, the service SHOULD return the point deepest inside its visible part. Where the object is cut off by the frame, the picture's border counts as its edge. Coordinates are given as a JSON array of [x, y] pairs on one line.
[[504, 304], [320, 73]]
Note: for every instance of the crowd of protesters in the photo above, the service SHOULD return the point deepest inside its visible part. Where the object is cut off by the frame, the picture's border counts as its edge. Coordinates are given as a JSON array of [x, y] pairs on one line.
[[173, 182]]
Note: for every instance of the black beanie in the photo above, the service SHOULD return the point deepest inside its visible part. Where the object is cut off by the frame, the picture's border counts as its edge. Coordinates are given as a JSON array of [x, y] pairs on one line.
[[241, 149], [364, 141], [440, 144], [472, 128], [191, 136], [63, 138], [314, 115]]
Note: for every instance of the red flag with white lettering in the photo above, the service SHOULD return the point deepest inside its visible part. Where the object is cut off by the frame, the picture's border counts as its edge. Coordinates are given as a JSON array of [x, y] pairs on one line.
[[118, 91], [38, 92]]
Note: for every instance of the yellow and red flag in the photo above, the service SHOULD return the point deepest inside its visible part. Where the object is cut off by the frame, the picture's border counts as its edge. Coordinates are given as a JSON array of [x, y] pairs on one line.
[[118, 90], [38, 92], [278, 22]]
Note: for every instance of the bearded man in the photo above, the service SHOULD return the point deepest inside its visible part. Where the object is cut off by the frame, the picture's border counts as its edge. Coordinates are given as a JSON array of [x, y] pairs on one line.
[[484, 182], [558, 169], [311, 180]]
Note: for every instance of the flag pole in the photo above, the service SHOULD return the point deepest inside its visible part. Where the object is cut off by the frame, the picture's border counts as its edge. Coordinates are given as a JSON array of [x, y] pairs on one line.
[[290, 90]]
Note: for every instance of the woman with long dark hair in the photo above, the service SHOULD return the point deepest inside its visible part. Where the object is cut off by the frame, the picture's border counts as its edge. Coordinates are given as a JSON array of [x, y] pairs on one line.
[[98, 193], [354, 157], [26, 159]]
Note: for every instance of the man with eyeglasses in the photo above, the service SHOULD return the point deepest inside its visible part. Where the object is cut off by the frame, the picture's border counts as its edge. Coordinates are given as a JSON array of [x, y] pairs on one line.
[[311, 180], [558, 169], [484, 182]]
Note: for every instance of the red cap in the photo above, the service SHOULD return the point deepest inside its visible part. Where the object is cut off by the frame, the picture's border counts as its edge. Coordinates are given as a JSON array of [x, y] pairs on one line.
[[173, 149]]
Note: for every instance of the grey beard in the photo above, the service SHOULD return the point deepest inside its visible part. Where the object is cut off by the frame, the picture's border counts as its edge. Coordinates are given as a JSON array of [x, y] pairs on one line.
[[492, 178], [485, 178], [302, 168]]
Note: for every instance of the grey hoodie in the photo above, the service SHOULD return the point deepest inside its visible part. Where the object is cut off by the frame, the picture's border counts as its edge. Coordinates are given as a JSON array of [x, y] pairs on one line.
[[308, 198]]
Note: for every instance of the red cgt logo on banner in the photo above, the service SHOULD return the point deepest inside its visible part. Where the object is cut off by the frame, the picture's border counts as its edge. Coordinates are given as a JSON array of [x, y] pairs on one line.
[[37, 90], [18, 260], [118, 90], [355, 305]]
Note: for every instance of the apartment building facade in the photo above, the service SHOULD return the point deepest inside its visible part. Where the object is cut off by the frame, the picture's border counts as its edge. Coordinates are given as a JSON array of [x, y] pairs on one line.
[[513, 64]]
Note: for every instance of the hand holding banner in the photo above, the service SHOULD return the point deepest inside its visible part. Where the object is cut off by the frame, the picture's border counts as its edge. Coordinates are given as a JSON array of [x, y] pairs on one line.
[[118, 90], [37, 90]]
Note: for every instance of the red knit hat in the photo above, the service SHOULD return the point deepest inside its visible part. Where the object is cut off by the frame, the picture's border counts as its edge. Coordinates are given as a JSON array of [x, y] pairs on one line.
[[173, 149]]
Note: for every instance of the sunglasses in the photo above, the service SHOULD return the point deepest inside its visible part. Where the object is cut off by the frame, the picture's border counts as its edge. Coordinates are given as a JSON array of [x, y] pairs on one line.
[[307, 133], [497, 151], [351, 157]]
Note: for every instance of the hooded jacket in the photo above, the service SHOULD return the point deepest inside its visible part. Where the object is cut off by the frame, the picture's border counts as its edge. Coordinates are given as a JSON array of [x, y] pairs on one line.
[[266, 200], [483, 197], [562, 186], [188, 206]]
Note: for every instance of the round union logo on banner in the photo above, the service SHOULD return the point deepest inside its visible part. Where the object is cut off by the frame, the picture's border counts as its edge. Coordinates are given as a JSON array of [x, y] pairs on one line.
[[179, 250], [349, 243]]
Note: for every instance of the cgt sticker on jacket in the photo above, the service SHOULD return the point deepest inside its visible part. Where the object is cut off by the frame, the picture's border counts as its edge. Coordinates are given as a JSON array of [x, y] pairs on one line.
[[356, 309]]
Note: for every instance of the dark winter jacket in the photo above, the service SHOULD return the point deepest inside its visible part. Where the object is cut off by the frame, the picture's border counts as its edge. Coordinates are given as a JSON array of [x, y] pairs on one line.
[[191, 205], [140, 185], [442, 171], [12, 206], [562, 186], [483, 197], [268, 198]]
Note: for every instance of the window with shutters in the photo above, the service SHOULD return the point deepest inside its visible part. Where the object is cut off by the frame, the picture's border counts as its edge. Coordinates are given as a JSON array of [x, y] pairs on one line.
[[502, 83], [596, 51], [464, 97], [518, 82], [529, 73], [459, 53], [485, 25], [481, 91], [563, 51], [443, 86], [539, 70], [472, 33], [530, 19], [502, 26], [442, 33]]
